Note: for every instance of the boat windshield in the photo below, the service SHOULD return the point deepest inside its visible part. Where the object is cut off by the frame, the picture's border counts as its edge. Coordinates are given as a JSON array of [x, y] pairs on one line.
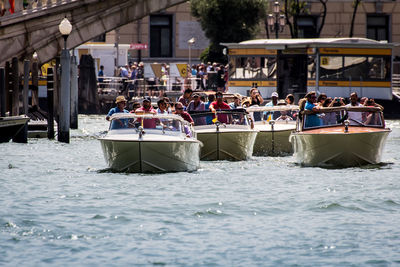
[[283, 113], [162, 123], [230, 116], [367, 117]]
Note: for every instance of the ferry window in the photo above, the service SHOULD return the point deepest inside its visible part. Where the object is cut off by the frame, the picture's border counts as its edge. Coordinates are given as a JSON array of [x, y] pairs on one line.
[[268, 68], [245, 68], [378, 27], [311, 67], [379, 68], [355, 68], [331, 67]]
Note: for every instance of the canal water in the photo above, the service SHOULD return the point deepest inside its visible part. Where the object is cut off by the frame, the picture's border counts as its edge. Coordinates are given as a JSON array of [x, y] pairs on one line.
[[59, 206]]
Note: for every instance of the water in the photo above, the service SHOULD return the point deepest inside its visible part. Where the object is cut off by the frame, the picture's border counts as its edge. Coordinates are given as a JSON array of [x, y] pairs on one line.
[[60, 207]]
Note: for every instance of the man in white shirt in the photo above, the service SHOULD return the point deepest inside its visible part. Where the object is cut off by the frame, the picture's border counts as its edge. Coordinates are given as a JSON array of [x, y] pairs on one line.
[[355, 118]]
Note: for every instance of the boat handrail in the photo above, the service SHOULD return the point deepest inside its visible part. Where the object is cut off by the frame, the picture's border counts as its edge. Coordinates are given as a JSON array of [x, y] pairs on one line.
[[274, 108], [347, 108], [222, 111]]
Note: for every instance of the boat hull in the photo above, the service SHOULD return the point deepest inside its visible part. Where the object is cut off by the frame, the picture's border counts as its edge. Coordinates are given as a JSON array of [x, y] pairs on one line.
[[273, 143], [227, 145], [336, 148], [151, 156], [10, 127]]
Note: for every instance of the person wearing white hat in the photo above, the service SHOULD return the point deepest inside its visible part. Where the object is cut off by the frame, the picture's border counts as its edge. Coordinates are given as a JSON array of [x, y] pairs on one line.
[[120, 108], [272, 103]]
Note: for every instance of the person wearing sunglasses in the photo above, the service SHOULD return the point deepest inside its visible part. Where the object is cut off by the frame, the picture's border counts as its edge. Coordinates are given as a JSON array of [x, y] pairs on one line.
[[312, 120]]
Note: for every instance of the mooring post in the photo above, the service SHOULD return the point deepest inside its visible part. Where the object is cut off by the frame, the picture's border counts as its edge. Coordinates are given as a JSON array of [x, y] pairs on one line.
[[8, 87], [15, 87], [22, 135], [74, 92], [65, 98], [35, 84], [26, 87], [3, 95], [50, 103]]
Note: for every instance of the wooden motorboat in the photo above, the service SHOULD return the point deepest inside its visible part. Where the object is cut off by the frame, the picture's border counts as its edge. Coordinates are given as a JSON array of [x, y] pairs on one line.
[[226, 135], [335, 138], [275, 126], [151, 143]]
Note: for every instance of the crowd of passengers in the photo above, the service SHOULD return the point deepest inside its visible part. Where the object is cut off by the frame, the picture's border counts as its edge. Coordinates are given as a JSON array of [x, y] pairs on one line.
[[314, 103], [192, 103]]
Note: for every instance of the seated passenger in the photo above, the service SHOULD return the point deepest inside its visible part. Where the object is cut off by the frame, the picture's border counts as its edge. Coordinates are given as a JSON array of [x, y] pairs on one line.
[[120, 108], [312, 120], [146, 108], [197, 105], [355, 117], [219, 104]]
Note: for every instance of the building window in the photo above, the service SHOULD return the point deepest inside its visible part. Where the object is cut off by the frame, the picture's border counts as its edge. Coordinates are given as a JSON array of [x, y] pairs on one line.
[[161, 36], [378, 27], [307, 26]]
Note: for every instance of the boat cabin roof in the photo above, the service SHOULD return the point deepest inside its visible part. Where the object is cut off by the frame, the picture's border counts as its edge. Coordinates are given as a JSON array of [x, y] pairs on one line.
[[282, 44]]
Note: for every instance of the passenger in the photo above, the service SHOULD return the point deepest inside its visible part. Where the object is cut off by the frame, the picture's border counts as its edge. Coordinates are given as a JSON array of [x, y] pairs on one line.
[[372, 118], [274, 102], [197, 105], [219, 104], [284, 114], [312, 120], [330, 118], [363, 100], [135, 105], [168, 104], [321, 99], [289, 99], [162, 107], [256, 100], [145, 109], [186, 97], [120, 108], [355, 117], [179, 111], [237, 99], [211, 99]]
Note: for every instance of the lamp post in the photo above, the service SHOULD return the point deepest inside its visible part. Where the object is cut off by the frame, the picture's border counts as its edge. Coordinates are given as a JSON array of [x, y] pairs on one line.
[[190, 43], [276, 21], [65, 28]]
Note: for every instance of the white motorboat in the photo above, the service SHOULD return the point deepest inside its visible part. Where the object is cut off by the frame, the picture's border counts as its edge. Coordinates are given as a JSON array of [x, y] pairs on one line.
[[226, 135], [333, 137], [150, 143], [275, 125]]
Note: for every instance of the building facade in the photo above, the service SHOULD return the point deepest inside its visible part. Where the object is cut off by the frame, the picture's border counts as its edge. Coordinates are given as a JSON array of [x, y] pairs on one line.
[[164, 37]]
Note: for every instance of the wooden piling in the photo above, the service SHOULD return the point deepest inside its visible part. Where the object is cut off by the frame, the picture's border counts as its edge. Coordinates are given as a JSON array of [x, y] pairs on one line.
[[15, 87], [25, 91], [35, 84], [74, 93], [65, 98], [50, 103], [3, 94], [8, 87]]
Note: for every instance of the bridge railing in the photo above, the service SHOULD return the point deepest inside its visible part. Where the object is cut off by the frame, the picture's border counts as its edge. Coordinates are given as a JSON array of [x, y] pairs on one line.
[[21, 8]]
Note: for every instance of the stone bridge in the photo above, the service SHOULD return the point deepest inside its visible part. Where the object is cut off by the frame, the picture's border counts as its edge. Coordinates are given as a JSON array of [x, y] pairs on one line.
[[34, 28]]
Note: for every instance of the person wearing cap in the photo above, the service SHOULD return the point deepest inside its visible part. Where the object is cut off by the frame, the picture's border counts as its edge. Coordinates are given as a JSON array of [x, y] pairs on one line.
[[272, 103], [219, 104], [237, 101], [120, 108], [197, 105]]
